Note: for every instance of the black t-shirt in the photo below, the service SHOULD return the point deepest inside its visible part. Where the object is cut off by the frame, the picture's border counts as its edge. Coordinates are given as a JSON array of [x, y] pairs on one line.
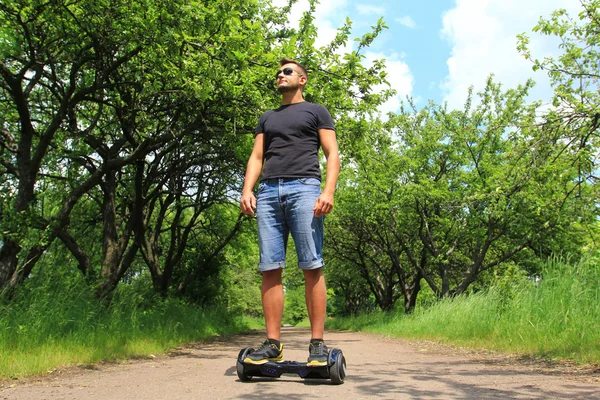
[[292, 140]]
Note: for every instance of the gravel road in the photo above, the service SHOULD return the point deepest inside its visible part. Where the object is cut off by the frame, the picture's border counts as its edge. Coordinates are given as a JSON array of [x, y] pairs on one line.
[[377, 368]]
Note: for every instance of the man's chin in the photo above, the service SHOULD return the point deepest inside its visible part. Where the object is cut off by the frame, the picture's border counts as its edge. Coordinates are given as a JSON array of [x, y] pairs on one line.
[[285, 89]]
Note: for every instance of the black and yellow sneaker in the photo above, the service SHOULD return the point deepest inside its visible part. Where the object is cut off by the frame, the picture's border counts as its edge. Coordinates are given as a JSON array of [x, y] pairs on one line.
[[318, 354], [268, 351]]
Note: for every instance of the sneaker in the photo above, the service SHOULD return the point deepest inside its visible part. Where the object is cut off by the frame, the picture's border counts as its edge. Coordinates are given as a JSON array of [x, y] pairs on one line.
[[318, 354], [267, 352]]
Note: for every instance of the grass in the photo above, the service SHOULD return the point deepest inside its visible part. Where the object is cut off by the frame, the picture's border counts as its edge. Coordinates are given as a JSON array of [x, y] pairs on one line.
[[558, 319], [54, 324]]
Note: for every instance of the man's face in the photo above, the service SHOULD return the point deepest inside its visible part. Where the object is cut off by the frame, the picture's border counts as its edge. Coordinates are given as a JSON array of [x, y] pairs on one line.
[[289, 78]]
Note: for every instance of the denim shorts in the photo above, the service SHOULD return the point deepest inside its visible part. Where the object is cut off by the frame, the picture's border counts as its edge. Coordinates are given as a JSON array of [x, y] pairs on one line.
[[285, 206]]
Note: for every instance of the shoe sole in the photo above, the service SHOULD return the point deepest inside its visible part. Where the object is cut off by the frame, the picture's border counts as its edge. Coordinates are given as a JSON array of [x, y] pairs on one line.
[[316, 363], [248, 360]]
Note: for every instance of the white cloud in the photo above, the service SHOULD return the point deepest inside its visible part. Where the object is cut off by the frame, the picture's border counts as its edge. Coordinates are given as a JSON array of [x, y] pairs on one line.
[[407, 21], [367, 9], [329, 8], [299, 8], [482, 34], [398, 75]]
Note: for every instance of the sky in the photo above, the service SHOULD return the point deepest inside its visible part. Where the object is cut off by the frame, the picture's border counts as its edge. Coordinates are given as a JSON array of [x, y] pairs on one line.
[[436, 49]]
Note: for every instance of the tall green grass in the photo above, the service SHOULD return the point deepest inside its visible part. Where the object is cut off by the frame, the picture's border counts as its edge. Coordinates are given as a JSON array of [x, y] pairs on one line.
[[559, 318], [56, 322]]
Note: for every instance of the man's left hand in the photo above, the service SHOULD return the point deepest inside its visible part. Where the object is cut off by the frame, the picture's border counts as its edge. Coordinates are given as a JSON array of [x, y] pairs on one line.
[[323, 205]]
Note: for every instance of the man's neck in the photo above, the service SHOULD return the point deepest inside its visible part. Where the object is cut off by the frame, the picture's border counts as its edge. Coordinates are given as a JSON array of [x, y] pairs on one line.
[[291, 98]]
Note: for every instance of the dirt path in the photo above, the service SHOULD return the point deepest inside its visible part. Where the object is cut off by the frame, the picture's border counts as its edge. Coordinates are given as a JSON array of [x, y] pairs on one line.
[[378, 368]]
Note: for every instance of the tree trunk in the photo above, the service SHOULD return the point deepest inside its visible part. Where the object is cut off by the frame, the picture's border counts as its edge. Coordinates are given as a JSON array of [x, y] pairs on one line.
[[410, 298], [83, 261], [8, 262], [115, 261]]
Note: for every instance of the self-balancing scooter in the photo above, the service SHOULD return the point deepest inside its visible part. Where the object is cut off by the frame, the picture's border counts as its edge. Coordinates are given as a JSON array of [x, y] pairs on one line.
[[335, 370]]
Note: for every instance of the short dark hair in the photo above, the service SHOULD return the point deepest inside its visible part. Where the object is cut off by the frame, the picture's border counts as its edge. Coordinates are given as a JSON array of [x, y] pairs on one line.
[[286, 60]]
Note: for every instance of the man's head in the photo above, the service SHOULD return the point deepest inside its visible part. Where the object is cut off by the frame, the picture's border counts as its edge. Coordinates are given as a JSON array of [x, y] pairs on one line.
[[291, 76]]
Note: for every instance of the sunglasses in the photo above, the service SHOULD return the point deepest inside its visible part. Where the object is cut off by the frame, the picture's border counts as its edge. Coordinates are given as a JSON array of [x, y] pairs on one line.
[[286, 71]]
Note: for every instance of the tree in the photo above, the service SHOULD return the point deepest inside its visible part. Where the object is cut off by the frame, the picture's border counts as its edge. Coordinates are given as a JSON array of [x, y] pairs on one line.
[[57, 59], [448, 195], [350, 294], [574, 117], [125, 124], [364, 228]]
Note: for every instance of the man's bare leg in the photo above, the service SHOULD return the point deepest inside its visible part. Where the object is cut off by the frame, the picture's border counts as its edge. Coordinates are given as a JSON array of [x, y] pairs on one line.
[[315, 292], [272, 302]]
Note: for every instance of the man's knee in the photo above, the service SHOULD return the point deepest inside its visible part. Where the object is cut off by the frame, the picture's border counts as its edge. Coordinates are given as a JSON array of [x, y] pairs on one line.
[[313, 275], [272, 276]]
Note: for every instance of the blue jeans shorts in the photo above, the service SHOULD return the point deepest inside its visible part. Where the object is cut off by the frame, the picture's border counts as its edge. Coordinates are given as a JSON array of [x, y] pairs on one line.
[[285, 206]]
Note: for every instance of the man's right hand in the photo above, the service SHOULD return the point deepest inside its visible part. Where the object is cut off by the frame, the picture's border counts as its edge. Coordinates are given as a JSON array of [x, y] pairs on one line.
[[248, 203]]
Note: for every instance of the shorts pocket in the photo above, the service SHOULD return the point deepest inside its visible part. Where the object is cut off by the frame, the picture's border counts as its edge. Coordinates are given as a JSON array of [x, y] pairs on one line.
[[310, 181]]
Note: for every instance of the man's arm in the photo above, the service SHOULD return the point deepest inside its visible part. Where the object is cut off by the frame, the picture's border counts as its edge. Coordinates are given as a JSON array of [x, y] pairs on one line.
[[253, 170], [324, 203]]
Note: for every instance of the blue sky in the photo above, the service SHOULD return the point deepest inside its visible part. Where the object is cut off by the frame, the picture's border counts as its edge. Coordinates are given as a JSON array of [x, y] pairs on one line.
[[436, 49]]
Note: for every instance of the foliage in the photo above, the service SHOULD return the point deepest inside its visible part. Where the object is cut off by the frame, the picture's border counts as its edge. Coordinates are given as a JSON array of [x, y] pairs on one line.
[[126, 128], [239, 288], [446, 196], [294, 309], [348, 292], [295, 306], [574, 117]]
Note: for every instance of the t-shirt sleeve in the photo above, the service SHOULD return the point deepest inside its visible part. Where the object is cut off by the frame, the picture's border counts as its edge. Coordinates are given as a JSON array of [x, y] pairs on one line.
[[260, 128], [324, 119]]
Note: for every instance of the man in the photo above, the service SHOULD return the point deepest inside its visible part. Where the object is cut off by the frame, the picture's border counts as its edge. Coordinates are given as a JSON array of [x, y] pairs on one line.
[[290, 201]]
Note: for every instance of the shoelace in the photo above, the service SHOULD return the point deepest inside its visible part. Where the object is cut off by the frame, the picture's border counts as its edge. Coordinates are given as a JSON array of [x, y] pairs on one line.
[[266, 345], [318, 348]]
